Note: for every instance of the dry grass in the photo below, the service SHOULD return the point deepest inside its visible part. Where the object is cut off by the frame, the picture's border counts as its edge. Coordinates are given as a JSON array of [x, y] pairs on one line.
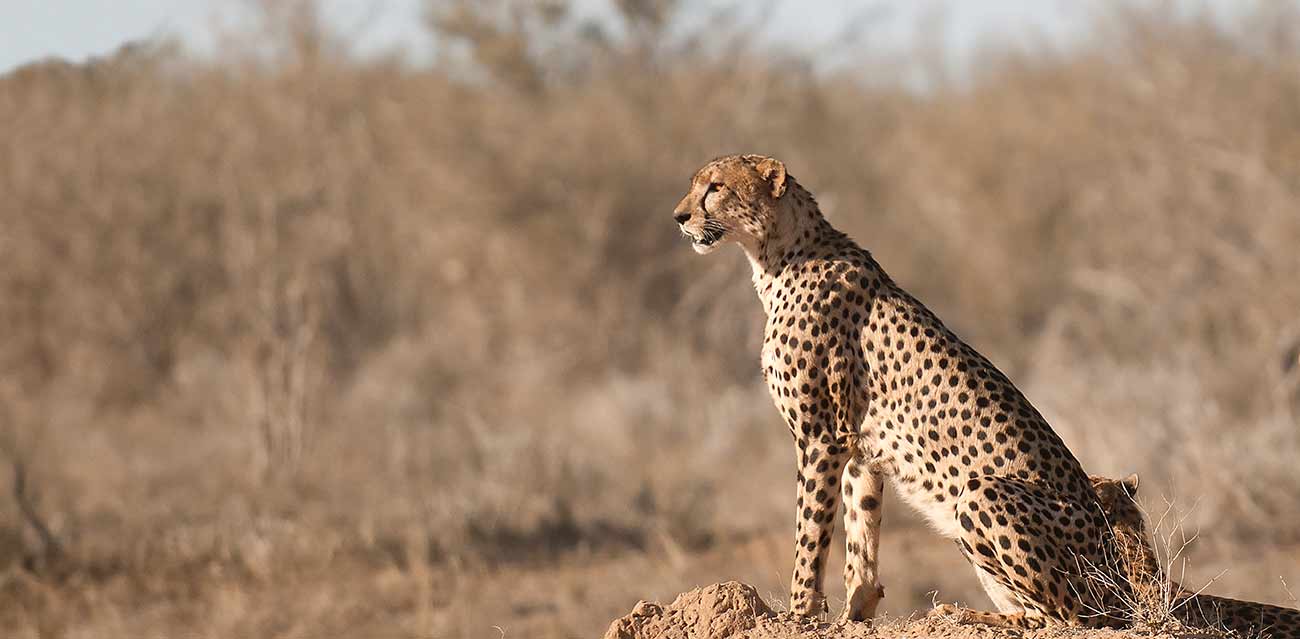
[[275, 321]]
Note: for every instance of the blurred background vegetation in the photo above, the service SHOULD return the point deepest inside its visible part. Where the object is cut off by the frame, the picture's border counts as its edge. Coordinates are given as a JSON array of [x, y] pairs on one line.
[[300, 343]]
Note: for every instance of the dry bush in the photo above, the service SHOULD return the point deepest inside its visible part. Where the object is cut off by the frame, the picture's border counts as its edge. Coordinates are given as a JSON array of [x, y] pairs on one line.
[[296, 306]]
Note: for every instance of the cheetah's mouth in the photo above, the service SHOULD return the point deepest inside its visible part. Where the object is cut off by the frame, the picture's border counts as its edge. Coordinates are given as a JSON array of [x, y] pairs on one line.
[[707, 237], [709, 234]]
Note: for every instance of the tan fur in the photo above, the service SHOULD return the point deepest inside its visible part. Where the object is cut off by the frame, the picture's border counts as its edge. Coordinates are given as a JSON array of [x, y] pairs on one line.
[[872, 385]]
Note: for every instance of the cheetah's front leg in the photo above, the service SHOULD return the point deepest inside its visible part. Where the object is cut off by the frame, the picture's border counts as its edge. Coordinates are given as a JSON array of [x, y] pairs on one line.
[[817, 506], [863, 491]]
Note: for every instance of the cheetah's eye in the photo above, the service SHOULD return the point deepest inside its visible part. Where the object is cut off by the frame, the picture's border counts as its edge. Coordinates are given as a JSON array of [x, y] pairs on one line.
[[713, 188]]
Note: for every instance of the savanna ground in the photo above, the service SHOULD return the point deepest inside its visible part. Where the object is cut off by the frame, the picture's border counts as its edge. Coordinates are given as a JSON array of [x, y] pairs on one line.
[[303, 344]]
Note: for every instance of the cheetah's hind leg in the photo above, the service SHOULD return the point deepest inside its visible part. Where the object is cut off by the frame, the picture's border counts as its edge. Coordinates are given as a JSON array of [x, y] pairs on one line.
[[1047, 552], [997, 619]]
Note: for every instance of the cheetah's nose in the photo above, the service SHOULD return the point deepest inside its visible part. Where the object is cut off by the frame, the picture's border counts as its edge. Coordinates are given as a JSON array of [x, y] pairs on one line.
[[682, 217]]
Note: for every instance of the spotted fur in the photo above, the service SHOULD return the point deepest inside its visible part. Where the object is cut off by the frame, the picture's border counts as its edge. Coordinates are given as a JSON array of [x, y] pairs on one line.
[[872, 385], [1154, 590]]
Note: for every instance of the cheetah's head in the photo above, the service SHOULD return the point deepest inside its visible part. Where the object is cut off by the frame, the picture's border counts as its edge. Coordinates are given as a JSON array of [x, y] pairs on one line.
[[1117, 497], [732, 199]]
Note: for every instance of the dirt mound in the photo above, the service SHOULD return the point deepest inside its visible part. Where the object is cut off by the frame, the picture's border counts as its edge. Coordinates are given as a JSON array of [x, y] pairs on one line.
[[733, 610], [723, 611]]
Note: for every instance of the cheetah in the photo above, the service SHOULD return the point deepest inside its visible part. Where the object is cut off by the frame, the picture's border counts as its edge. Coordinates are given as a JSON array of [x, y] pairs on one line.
[[1155, 592], [871, 384]]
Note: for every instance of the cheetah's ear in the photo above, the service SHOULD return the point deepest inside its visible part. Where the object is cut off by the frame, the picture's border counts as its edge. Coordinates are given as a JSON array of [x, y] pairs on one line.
[[773, 171], [1130, 484]]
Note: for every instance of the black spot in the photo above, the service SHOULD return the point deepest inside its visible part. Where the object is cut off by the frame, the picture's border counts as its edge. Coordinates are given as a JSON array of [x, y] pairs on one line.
[[966, 522]]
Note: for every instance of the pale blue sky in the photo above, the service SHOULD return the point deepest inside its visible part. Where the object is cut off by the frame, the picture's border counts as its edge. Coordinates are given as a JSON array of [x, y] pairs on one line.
[[76, 29]]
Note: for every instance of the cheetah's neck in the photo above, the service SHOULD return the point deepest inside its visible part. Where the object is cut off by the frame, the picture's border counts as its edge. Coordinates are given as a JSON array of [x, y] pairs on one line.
[[1137, 560], [799, 232]]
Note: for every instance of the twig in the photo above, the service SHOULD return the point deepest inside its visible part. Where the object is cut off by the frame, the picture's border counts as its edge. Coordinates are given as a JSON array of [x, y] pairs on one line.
[[50, 543]]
